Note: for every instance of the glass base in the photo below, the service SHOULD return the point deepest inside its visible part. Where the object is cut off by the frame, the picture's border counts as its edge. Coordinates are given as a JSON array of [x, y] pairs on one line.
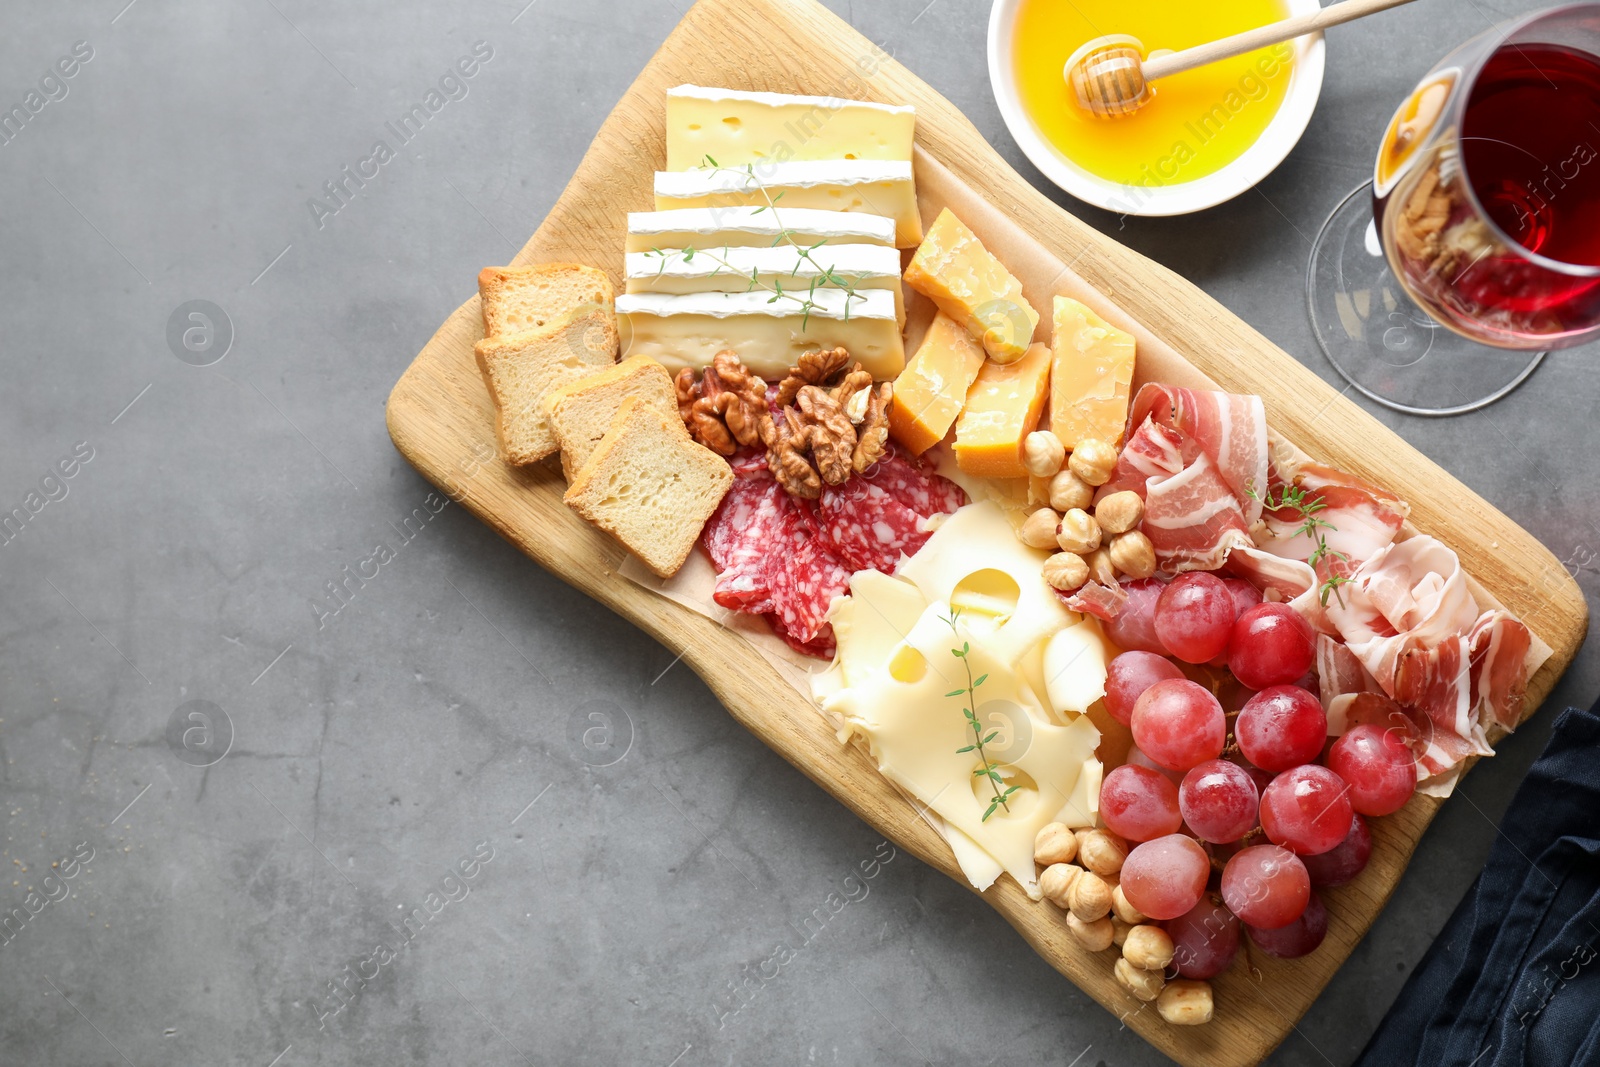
[[1386, 346]]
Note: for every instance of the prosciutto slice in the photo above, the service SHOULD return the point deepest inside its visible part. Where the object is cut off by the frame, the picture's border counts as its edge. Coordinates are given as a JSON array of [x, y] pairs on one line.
[[1499, 645], [1361, 520], [1230, 428], [1192, 519]]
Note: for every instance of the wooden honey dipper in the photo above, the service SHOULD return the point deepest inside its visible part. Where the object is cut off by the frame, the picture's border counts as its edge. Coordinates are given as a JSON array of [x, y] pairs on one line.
[[1111, 76]]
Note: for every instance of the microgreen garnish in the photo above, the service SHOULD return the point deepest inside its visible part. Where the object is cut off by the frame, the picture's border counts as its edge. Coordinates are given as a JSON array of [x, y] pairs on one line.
[[825, 275], [988, 770]]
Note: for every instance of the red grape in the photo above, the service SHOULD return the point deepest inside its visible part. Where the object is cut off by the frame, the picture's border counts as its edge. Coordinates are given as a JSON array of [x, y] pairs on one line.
[[1139, 804], [1272, 644], [1245, 596], [1134, 628], [1166, 877], [1179, 724], [1204, 939], [1307, 810], [1280, 728], [1299, 938], [1266, 886], [1218, 800], [1378, 767], [1139, 759], [1129, 675], [1194, 617], [1345, 860]]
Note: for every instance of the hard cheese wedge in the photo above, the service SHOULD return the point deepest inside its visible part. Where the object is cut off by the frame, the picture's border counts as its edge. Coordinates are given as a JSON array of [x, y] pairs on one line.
[[758, 227], [734, 128], [929, 393], [1003, 407], [1092, 376], [955, 271], [794, 269], [769, 335], [876, 187]]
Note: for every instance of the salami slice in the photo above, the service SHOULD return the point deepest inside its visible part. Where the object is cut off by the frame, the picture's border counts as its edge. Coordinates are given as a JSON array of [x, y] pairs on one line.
[[803, 586], [866, 527], [739, 536], [914, 485]]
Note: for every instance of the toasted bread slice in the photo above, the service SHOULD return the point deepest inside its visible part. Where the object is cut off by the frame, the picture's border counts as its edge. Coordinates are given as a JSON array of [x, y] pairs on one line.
[[522, 368], [649, 486], [581, 413], [516, 299]]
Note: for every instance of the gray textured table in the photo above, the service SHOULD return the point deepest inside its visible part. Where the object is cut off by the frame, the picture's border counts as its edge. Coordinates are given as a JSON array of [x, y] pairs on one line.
[[470, 816]]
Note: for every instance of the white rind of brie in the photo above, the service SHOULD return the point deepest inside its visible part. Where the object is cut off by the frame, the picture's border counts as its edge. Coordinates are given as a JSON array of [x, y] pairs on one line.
[[755, 226], [737, 270], [709, 181], [832, 103]]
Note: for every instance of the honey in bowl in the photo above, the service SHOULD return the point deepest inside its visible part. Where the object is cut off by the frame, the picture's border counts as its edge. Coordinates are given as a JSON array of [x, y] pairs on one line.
[[1200, 120]]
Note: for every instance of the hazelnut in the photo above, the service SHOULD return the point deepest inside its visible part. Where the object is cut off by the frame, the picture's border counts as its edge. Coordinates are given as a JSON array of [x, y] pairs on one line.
[[1068, 491], [1125, 911], [1056, 882], [1148, 948], [1043, 453], [1093, 461], [1054, 844], [1039, 531], [1119, 512], [1132, 554], [1102, 852], [1119, 929], [1066, 572], [1094, 936], [1146, 985], [1101, 569], [1185, 1003], [1078, 532], [1090, 897]]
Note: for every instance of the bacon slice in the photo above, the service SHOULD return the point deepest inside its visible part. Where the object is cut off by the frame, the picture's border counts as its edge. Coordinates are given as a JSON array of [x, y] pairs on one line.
[[1231, 428]]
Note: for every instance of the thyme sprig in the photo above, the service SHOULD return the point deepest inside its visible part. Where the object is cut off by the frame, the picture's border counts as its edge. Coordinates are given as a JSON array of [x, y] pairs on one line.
[[1299, 500], [826, 276], [988, 770]]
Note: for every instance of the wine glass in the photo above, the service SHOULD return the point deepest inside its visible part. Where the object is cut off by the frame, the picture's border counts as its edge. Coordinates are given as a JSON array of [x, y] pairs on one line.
[[1438, 287]]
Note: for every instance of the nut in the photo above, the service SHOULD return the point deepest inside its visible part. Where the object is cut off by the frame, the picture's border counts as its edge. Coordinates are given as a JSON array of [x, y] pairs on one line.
[[1119, 928], [1132, 554], [1078, 532], [1043, 453], [1185, 1003], [1068, 491], [1039, 531], [1066, 572], [1125, 911], [1093, 461], [1101, 569], [1146, 985], [1119, 512], [1054, 844], [1056, 883], [1102, 852], [1148, 948], [1089, 898], [1095, 936]]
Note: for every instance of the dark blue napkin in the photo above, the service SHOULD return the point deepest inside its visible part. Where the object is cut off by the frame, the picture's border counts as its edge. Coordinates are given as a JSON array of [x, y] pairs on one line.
[[1513, 979]]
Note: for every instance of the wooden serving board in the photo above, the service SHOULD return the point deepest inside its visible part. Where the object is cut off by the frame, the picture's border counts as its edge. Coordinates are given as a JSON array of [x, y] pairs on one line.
[[441, 420]]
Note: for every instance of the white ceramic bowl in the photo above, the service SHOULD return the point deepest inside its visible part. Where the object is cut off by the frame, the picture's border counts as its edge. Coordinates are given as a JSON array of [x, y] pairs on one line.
[[1280, 136]]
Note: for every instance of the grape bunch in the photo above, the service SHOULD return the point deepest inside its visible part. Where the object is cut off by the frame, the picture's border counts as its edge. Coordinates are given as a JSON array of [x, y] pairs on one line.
[[1236, 816]]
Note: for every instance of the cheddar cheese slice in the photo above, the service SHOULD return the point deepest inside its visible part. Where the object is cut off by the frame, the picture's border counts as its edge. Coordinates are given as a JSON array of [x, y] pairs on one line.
[[1092, 376], [955, 271], [1003, 407], [930, 392]]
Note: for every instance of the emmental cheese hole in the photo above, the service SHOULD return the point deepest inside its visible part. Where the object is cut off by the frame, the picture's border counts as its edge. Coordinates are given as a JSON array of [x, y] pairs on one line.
[[986, 592], [907, 665], [732, 123]]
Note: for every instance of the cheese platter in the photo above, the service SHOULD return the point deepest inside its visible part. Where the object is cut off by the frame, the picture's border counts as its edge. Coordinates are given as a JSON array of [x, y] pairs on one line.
[[736, 376]]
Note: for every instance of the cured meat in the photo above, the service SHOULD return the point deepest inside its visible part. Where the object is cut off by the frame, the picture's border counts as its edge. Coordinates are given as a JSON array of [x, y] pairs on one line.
[[754, 516], [1277, 578], [1340, 674], [1192, 519], [866, 527], [1104, 602], [1499, 645], [1230, 428], [1358, 520], [913, 484], [804, 584], [1152, 451], [1134, 628]]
